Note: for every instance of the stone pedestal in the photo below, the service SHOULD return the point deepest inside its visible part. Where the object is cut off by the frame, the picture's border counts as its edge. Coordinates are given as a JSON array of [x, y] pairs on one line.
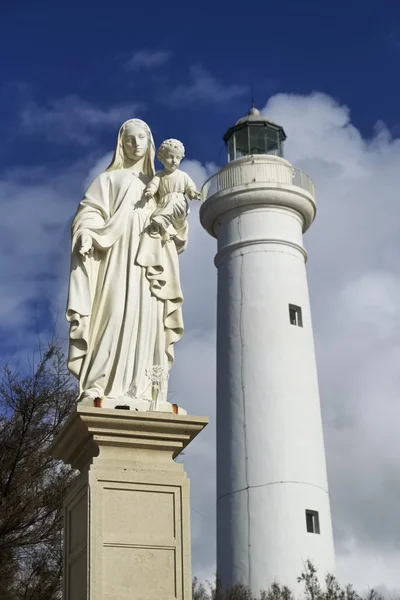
[[127, 517]]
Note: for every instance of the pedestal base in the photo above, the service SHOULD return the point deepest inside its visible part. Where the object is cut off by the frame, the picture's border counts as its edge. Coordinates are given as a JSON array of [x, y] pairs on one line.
[[127, 517]]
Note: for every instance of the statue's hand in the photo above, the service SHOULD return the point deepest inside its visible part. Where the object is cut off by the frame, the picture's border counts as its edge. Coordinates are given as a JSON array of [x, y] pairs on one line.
[[148, 194], [197, 196], [179, 209], [86, 243]]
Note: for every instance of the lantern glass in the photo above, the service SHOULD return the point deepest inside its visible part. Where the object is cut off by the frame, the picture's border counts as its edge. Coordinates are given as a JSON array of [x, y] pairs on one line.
[[258, 139], [249, 138], [273, 142], [231, 148], [242, 142]]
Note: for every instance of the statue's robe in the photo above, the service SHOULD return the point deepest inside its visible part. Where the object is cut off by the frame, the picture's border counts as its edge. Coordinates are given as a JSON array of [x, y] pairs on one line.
[[125, 298]]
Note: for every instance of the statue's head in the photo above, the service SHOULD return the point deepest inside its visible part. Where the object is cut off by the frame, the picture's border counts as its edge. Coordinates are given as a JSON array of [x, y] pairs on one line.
[[170, 154], [135, 142]]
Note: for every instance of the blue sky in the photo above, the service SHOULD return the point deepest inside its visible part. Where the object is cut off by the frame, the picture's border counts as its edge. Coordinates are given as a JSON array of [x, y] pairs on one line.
[[71, 73], [51, 50]]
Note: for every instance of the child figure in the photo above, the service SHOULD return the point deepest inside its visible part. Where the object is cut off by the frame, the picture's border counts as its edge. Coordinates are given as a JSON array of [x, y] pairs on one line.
[[172, 186]]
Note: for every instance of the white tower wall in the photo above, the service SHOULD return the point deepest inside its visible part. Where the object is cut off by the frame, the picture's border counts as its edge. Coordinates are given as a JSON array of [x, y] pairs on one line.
[[270, 451]]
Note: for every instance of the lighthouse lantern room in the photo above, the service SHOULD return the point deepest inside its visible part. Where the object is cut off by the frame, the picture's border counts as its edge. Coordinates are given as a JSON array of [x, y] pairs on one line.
[[254, 134]]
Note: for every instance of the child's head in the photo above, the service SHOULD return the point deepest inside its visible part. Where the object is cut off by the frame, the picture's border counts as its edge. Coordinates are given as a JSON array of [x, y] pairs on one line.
[[170, 154]]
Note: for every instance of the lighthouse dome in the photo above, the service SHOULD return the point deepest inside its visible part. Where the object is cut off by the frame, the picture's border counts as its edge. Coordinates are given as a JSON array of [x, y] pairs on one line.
[[255, 116], [254, 134]]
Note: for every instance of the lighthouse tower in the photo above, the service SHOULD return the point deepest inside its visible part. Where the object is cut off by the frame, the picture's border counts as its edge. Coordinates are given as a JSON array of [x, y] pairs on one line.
[[273, 509]]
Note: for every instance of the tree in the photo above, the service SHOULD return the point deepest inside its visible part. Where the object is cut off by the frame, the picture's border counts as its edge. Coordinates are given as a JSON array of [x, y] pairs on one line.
[[32, 485]]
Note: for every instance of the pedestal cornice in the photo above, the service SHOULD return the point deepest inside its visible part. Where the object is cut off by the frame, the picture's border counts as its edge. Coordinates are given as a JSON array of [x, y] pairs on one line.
[[90, 432]]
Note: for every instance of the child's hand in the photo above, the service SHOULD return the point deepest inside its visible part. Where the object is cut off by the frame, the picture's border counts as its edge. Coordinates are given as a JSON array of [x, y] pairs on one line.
[[197, 195], [194, 195]]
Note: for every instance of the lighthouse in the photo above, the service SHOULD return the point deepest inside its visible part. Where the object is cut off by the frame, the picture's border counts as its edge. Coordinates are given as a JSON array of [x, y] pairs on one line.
[[273, 510]]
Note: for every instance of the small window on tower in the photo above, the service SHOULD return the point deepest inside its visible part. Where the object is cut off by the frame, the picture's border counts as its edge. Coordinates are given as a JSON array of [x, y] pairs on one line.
[[312, 521], [295, 315]]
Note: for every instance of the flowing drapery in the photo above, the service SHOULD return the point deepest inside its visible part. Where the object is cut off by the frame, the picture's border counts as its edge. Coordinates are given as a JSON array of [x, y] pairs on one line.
[[125, 299]]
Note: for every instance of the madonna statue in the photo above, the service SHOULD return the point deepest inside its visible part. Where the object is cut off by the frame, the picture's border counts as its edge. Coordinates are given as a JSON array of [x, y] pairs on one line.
[[125, 299]]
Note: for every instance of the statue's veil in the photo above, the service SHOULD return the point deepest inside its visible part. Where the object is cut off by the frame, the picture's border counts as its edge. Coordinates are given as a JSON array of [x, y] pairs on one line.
[[118, 158]]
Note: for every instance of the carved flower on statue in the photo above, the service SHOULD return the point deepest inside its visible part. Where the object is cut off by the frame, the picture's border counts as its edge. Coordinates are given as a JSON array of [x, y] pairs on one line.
[[156, 374]]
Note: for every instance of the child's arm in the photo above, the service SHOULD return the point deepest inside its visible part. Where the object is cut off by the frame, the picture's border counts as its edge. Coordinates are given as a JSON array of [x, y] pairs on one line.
[[152, 187], [191, 191]]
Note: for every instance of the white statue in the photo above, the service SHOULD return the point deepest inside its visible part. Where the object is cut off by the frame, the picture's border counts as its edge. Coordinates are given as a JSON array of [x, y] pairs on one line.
[[125, 299], [172, 185]]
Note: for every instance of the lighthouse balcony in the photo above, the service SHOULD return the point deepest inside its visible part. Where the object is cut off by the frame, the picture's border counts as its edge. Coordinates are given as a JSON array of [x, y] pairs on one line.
[[257, 180]]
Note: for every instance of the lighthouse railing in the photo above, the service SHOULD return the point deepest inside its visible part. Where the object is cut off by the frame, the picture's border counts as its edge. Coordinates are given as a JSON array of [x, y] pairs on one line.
[[257, 172]]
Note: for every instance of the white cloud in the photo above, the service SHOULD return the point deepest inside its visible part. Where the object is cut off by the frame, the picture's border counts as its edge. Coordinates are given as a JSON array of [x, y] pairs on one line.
[[373, 301], [203, 88], [193, 383], [147, 59], [98, 168], [197, 268], [367, 569], [72, 119], [37, 207]]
